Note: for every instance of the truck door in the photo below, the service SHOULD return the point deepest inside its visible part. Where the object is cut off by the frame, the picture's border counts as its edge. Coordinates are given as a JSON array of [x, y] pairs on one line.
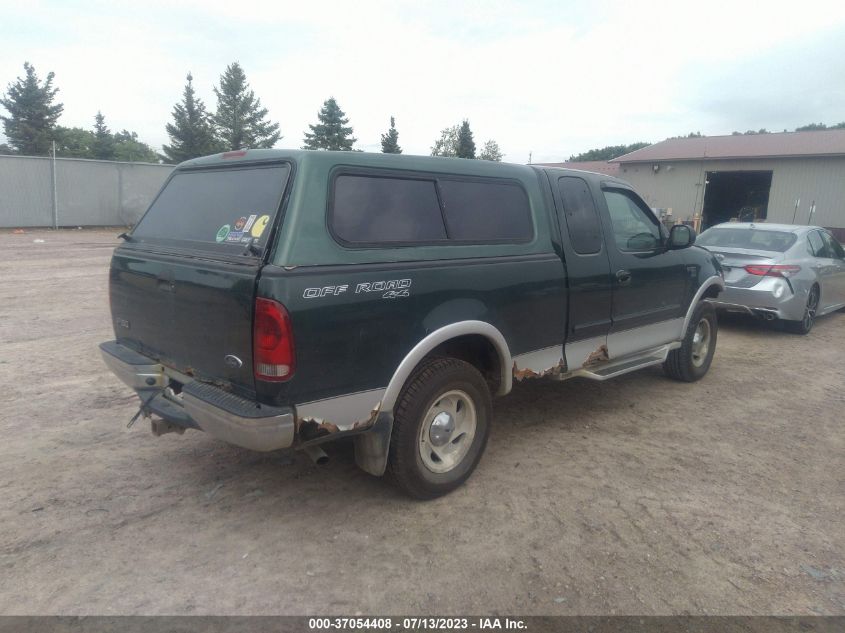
[[649, 281], [588, 271]]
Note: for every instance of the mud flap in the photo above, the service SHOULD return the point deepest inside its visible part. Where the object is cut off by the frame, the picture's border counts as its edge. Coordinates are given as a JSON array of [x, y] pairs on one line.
[[372, 447]]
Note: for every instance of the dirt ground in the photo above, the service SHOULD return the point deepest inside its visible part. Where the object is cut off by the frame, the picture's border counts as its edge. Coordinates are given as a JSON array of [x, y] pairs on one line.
[[633, 496]]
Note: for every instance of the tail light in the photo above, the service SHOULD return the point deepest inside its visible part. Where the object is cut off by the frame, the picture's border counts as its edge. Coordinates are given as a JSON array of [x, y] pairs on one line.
[[776, 270], [272, 342]]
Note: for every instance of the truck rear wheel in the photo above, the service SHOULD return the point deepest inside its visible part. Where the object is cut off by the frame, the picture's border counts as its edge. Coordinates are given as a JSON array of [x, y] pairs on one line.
[[440, 428], [692, 360]]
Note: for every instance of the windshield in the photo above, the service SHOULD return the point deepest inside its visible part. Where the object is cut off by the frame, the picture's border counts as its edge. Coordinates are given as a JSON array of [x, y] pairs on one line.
[[220, 210], [752, 239]]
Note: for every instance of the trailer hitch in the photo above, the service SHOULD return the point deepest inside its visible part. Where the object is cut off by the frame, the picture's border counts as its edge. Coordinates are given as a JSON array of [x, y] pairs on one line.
[[142, 410]]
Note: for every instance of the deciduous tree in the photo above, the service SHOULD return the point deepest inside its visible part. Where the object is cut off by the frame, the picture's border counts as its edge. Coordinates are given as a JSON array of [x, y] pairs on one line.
[[491, 151], [73, 142], [613, 151], [447, 144], [128, 148]]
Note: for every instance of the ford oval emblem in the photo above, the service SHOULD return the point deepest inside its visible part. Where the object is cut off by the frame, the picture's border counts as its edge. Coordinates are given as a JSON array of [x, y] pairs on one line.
[[233, 361]]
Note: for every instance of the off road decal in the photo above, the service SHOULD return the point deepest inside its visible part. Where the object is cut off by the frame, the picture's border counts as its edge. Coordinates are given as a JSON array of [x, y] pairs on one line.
[[390, 289]]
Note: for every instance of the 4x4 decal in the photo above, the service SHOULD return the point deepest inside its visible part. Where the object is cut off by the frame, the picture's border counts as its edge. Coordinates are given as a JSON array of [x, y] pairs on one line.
[[391, 289]]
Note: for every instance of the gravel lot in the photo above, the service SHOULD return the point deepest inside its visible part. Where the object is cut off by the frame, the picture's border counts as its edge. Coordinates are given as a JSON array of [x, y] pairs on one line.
[[634, 496]]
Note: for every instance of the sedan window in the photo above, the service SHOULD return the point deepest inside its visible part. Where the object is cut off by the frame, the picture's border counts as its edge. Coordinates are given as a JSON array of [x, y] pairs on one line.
[[753, 239], [833, 246], [817, 245]]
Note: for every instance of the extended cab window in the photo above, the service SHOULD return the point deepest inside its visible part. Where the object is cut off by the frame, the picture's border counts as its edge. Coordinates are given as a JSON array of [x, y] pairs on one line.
[[581, 217], [372, 210], [634, 228], [486, 211], [219, 210]]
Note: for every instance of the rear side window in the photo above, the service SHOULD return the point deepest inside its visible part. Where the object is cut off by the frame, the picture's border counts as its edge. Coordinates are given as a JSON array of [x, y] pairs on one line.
[[582, 219], [373, 210], [486, 211], [817, 246], [215, 209], [833, 246]]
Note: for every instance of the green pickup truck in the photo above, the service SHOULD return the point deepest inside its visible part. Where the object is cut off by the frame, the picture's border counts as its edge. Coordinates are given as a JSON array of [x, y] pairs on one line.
[[276, 299]]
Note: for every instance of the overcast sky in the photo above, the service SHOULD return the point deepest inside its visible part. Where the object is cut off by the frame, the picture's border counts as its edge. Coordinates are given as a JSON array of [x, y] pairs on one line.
[[549, 77]]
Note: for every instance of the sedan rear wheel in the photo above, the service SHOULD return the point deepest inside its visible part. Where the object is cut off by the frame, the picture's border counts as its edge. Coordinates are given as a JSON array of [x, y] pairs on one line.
[[806, 323]]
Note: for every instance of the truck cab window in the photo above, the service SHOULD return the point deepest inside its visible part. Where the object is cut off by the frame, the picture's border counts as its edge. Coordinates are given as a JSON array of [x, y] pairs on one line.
[[581, 217], [634, 228]]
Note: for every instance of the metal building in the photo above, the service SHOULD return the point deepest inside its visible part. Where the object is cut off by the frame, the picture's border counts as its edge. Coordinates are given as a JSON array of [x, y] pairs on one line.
[[791, 177]]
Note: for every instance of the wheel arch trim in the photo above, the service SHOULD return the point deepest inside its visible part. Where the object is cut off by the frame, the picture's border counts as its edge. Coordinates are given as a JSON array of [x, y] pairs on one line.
[[708, 283], [440, 336]]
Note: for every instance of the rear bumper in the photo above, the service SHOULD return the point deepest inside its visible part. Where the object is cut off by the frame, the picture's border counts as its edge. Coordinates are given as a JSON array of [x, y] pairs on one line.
[[219, 413], [771, 298]]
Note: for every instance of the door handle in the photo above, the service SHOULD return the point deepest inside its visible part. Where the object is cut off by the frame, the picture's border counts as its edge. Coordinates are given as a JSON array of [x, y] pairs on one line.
[[623, 277]]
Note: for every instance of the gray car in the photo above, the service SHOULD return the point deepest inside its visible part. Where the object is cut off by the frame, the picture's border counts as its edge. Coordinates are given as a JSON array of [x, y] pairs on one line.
[[778, 271]]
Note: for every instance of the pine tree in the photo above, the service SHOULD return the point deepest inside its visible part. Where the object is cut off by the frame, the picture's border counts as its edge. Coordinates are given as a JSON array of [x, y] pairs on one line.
[[466, 146], [390, 140], [240, 122], [330, 132], [491, 151], [103, 147], [191, 133], [32, 114]]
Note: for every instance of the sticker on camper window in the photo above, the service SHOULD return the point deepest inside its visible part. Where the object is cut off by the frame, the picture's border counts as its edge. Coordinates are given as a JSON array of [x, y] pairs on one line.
[[222, 233], [250, 221], [239, 223], [260, 225]]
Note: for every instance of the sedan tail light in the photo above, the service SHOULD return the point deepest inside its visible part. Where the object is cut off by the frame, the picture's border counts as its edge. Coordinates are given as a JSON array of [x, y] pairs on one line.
[[272, 342], [772, 270]]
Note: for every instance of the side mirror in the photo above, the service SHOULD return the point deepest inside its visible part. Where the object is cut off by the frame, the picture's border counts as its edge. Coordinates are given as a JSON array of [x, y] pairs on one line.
[[681, 236]]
